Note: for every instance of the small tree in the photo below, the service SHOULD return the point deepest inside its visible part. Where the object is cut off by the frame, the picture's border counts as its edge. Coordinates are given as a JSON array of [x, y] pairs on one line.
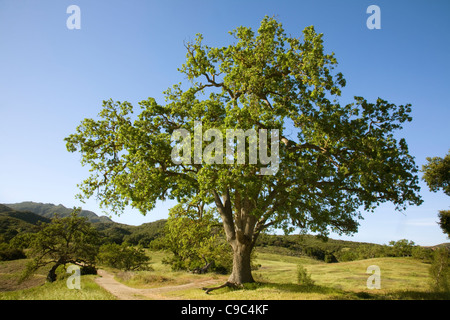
[[64, 240], [123, 256], [303, 277]]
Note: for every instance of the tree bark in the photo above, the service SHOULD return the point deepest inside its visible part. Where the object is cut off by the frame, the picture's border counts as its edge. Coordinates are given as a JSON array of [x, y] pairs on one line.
[[51, 276], [241, 272], [240, 233]]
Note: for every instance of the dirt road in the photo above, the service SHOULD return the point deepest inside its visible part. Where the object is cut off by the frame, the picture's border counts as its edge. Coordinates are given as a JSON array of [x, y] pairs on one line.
[[123, 292]]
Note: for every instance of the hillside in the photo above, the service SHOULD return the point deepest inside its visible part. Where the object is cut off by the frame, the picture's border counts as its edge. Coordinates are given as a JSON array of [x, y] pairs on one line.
[[13, 222], [22, 217]]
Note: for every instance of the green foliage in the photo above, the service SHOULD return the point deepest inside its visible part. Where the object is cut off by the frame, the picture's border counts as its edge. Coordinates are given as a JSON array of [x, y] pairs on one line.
[[196, 240], [437, 173], [437, 176], [402, 248], [123, 256], [346, 155], [440, 270], [444, 221], [13, 222], [7, 252], [64, 240], [421, 253], [337, 250], [146, 233], [303, 277]]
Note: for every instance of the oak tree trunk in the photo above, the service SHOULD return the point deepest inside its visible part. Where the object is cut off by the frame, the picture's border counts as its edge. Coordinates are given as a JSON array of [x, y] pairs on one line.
[[241, 272], [240, 232]]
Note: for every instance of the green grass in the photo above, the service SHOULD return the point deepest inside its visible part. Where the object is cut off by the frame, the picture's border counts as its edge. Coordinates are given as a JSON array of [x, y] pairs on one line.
[[161, 274], [58, 291], [396, 274], [401, 278], [36, 288]]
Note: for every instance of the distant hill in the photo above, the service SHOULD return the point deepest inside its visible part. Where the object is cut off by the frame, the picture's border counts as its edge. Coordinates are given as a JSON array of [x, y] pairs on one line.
[[48, 210], [13, 222], [445, 245], [22, 217]]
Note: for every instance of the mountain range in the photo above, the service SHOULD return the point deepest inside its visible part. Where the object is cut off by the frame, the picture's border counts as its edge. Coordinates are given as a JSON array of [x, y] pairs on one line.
[[48, 210], [25, 216]]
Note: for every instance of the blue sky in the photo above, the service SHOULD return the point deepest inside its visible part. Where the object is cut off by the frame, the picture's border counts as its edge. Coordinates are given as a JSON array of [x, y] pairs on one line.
[[52, 77]]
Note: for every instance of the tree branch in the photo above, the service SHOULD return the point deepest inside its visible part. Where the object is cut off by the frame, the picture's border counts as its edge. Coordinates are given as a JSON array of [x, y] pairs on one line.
[[226, 213]]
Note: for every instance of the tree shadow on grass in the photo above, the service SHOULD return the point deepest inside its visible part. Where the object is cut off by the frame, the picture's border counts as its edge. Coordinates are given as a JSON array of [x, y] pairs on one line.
[[327, 292], [331, 293], [419, 295]]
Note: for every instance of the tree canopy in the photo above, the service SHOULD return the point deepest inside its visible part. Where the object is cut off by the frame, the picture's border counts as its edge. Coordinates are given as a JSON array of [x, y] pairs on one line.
[[437, 176], [334, 159], [69, 240], [437, 173]]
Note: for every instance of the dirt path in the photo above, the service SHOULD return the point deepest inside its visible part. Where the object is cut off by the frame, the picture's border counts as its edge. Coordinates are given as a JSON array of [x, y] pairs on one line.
[[124, 292]]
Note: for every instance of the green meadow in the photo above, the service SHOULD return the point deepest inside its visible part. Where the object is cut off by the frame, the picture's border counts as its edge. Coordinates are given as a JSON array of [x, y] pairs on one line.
[[276, 278]]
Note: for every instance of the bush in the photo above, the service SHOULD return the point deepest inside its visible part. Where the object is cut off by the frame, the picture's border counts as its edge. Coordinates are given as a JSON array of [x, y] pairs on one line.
[[123, 257], [422, 253], [9, 253], [330, 258], [440, 270], [315, 253], [303, 278], [88, 270]]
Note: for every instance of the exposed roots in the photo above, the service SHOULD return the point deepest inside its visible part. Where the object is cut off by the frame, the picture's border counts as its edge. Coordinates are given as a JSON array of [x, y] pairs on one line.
[[226, 284]]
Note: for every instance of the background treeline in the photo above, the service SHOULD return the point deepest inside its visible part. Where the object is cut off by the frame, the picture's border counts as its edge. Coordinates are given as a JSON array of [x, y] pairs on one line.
[[151, 235], [15, 223], [338, 250], [24, 217]]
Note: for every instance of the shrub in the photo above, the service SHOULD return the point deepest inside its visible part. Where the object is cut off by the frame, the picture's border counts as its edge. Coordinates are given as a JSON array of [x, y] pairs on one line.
[[303, 277], [440, 270], [123, 257], [330, 258], [422, 253], [9, 253]]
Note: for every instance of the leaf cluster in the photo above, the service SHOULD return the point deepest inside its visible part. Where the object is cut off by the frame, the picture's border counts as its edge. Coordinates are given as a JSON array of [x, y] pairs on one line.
[[196, 240], [437, 173]]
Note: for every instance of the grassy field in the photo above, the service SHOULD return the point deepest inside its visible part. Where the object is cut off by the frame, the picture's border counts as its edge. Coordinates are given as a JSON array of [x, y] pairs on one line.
[[401, 278], [276, 278], [36, 288]]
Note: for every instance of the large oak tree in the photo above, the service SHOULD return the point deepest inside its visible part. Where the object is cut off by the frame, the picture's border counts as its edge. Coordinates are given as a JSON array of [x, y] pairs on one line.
[[334, 160]]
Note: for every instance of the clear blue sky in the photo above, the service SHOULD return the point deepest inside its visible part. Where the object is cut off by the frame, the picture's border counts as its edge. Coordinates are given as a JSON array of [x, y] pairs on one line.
[[52, 77]]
